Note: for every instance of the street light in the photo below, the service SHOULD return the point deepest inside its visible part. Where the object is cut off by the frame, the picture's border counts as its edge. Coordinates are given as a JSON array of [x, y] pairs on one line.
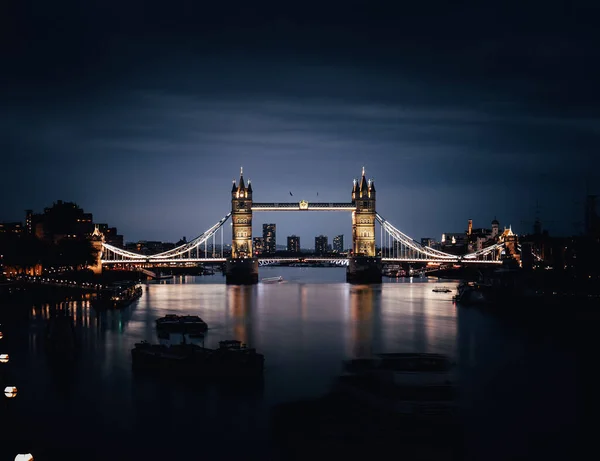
[[27, 457], [3, 358], [1, 335], [10, 392]]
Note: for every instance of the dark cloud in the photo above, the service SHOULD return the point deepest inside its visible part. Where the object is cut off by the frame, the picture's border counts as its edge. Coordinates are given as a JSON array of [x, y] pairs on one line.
[[140, 110]]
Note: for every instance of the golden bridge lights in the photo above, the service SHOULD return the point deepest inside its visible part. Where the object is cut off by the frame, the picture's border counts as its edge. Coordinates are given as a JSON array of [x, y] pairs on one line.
[[10, 392], [3, 358]]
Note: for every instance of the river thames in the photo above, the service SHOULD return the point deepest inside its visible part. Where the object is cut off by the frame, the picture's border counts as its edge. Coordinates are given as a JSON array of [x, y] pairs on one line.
[[516, 379]]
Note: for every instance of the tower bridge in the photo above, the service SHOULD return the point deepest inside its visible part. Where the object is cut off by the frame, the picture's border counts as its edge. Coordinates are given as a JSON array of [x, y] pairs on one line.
[[363, 265]]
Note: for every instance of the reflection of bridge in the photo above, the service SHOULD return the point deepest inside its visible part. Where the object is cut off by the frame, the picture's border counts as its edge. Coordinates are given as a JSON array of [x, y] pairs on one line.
[[394, 246]]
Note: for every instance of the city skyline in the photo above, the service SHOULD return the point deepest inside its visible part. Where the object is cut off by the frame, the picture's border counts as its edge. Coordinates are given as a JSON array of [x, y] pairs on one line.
[[148, 134]]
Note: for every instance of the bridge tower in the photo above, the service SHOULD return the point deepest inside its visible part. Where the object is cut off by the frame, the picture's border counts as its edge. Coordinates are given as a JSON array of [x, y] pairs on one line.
[[242, 268], [363, 218], [97, 239], [364, 265]]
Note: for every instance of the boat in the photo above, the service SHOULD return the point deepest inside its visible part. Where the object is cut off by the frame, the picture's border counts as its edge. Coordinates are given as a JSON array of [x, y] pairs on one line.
[[181, 324], [272, 279], [441, 290], [473, 293], [230, 359], [117, 296], [418, 385], [410, 368]]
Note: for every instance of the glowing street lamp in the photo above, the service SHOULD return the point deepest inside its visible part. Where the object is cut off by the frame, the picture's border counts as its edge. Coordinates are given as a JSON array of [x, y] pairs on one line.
[[27, 457], [3, 358], [10, 392]]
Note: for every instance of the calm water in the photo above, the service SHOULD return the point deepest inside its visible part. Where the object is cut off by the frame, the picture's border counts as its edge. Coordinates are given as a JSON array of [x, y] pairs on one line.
[[517, 378]]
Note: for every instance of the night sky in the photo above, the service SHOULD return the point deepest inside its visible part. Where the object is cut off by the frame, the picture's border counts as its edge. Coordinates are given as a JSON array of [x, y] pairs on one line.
[[143, 112]]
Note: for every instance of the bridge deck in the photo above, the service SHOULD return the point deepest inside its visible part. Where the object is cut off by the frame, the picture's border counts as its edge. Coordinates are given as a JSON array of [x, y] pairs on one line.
[[156, 261]]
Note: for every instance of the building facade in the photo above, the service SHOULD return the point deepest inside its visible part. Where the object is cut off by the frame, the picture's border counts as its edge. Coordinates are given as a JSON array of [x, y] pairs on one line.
[[321, 244], [270, 238], [338, 244], [12, 228], [258, 244], [293, 244]]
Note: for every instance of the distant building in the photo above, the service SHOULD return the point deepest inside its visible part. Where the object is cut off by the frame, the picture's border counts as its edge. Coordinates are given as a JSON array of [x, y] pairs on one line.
[[321, 244], [293, 244], [270, 237], [258, 245], [428, 242], [61, 220], [111, 236], [11, 228], [151, 247], [338, 243], [477, 238]]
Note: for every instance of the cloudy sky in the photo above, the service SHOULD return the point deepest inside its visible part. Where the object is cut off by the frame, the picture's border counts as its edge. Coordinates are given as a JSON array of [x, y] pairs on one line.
[[143, 112]]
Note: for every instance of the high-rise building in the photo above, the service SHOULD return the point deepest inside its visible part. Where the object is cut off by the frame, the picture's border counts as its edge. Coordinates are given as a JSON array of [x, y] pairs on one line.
[[270, 236], [29, 224], [293, 244], [321, 244], [338, 243], [258, 245]]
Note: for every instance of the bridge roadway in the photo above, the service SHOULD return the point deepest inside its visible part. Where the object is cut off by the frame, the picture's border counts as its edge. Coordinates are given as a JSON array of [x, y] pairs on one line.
[[272, 260]]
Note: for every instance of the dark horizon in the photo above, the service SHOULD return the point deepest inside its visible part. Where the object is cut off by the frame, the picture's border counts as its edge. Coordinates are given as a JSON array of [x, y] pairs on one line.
[[143, 113]]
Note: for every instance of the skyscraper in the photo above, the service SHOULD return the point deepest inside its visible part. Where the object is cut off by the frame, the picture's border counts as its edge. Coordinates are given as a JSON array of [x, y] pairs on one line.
[[258, 244], [293, 244], [338, 243], [321, 244], [270, 237]]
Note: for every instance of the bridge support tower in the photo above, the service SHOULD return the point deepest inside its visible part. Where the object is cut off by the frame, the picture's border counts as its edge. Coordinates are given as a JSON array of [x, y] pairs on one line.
[[241, 268], [97, 240], [364, 266]]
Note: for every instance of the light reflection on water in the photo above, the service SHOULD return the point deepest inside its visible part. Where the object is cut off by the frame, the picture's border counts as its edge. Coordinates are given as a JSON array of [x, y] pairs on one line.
[[304, 329]]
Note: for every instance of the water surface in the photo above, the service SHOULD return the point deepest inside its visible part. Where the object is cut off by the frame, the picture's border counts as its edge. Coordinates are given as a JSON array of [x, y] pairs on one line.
[[512, 391]]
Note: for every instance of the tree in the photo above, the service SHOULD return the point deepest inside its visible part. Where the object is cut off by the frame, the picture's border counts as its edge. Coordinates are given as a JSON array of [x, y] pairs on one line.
[[76, 253]]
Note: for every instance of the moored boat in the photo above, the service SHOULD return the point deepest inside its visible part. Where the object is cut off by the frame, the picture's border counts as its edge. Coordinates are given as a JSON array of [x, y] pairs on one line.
[[416, 385], [181, 324], [272, 279], [117, 296], [409, 368], [230, 359]]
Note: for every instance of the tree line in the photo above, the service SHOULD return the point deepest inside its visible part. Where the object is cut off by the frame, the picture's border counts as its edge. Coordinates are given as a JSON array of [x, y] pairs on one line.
[[24, 252]]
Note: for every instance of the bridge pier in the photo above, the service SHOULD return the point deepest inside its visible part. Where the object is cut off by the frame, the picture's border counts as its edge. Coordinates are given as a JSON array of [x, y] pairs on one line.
[[241, 271], [364, 270]]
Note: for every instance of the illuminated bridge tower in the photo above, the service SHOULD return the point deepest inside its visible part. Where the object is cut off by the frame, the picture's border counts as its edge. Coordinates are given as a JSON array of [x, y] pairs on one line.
[[364, 265], [241, 268]]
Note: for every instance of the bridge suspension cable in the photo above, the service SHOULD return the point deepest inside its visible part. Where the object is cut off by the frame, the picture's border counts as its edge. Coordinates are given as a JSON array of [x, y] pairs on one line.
[[175, 252], [405, 240]]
